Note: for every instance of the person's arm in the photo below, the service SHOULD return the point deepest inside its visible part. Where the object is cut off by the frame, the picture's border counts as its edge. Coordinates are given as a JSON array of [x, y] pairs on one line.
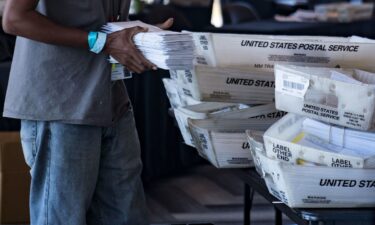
[[20, 18]]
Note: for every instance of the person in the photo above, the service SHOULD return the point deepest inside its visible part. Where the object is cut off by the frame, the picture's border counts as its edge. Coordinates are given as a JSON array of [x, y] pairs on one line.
[[77, 128]]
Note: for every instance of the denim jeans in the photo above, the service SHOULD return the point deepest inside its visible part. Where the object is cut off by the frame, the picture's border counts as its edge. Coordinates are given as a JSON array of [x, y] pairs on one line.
[[84, 174]]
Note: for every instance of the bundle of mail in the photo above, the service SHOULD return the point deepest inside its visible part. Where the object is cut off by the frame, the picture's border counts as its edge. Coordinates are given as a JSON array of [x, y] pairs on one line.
[[312, 187], [166, 49], [323, 94], [343, 140], [303, 141], [238, 85], [344, 12]]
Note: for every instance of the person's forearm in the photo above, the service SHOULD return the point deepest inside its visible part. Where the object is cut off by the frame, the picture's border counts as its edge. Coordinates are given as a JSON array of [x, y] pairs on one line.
[[20, 18], [31, 24]]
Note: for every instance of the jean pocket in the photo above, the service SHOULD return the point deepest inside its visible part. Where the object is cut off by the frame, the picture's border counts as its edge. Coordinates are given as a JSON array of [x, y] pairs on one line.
[[28, 141]]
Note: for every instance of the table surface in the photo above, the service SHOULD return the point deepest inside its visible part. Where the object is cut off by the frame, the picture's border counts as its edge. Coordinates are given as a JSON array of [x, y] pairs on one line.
[[366, 216]]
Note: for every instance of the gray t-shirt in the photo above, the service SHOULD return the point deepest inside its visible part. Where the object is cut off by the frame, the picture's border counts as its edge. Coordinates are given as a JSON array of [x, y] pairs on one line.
[[58, 83]]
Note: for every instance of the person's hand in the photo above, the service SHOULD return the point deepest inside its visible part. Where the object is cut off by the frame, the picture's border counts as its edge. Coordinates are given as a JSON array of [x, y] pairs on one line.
[[121, 47], [166, 25]]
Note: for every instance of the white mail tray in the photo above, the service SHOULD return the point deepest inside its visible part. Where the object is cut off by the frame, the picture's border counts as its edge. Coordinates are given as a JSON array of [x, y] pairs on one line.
[[238, 85], [316, 186], [200, 111], [221, 110], [223, 142], [262, 52], [284, 142], [345, 97]]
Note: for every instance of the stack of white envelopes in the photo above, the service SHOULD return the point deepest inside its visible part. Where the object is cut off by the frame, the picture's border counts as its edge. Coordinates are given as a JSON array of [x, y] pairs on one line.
[[303, 141], [338, 139], [313, 186], [166, 49], [345, 97]]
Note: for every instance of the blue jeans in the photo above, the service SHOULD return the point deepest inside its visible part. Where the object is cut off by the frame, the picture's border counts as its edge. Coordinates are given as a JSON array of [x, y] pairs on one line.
[[84, 174]]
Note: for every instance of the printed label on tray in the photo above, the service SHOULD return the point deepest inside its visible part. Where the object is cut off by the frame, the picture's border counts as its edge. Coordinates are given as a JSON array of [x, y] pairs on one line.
[[354, 119], [316, 200], [292, 84], [346, 183], [250, 82], [282, 152], [273, 115], [189, 76], [325, 112], [341, 163], [245, 146], [238, 161]]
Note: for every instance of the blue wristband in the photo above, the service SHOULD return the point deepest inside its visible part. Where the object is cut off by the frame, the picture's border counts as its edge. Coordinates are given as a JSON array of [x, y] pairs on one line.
[[92, 37], [99, 43]]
